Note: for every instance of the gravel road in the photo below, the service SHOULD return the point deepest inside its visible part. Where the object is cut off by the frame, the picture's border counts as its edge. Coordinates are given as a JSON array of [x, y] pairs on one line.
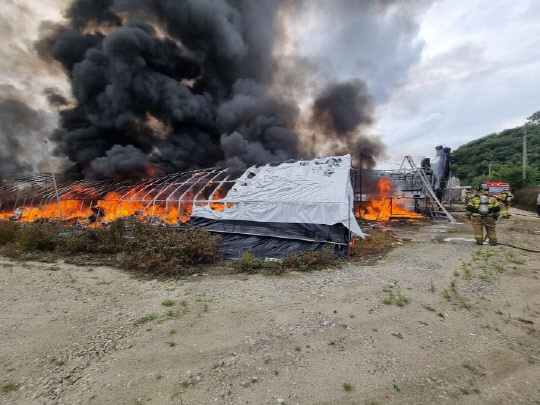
[[434, 322]]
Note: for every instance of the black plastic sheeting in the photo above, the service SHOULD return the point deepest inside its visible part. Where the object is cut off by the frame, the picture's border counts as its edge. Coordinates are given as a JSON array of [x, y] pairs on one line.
[[302, 232], [274, 240], [264, 246]]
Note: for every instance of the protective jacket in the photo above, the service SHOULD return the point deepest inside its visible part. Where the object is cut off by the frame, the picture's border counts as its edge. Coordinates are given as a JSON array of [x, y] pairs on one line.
[[481, 205], [506, 198]]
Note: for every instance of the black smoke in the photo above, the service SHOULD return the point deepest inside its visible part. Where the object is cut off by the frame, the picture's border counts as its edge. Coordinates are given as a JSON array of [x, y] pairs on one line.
[[186, 84], [339, 119]]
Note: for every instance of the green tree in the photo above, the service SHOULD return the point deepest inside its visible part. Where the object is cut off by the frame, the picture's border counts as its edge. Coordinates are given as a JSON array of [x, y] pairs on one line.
[[503, 151]]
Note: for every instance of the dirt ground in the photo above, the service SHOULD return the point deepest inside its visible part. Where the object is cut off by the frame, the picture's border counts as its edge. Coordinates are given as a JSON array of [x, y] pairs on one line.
[[466, 331]]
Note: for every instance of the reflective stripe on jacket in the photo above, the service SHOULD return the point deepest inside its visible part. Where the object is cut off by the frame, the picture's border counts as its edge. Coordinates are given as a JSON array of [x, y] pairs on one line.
[[493, 208]]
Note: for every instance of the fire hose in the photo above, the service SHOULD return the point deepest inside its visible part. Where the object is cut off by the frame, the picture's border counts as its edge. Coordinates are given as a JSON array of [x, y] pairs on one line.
[[514, 246], [519, 247]]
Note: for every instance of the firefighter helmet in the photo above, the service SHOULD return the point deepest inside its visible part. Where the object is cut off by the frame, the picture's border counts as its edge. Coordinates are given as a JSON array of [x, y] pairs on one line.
[[483, 187]]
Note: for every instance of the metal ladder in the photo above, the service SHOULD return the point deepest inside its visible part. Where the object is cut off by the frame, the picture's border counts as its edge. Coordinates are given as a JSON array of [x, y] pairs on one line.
[[435, 209]]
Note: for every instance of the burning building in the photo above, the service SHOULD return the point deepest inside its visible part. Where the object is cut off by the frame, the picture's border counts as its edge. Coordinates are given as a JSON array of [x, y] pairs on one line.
[[272, 209], [408, 193]]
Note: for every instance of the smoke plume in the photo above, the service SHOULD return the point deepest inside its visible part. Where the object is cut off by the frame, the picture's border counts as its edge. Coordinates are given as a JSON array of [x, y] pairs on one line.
[[177, 85]]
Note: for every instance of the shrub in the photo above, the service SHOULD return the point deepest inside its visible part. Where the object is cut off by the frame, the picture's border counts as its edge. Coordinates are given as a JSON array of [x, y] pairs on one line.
[[376, 242], [168, 251], [8, 231], [310, 260], [249, 262], [104, 240], [37, 237]]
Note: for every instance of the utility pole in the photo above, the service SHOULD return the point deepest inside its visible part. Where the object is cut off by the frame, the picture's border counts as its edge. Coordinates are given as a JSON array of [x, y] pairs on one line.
[[524, 156], [489, 170]]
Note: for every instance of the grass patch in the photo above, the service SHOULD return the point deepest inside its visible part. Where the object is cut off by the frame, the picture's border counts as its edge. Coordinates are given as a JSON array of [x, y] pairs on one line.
[[347, 387], [9, 387], [499, 267], [146, 319], [395, 297], [168, 303], [453, 286]]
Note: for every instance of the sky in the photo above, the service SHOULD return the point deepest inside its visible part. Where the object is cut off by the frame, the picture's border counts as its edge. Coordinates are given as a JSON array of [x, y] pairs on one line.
[[478, 74], [457, 70]]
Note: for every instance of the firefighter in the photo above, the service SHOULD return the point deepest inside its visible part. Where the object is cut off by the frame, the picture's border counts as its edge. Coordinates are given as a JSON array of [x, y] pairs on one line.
[[505, 199], [467, 197], [484, 212]]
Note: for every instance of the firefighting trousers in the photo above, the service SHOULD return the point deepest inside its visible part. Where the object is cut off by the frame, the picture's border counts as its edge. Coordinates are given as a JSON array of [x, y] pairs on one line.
[[505, 210], [489, 223]]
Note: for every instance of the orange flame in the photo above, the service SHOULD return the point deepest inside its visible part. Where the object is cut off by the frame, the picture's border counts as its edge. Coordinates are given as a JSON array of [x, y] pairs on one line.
[[76, 207], [385, 206]]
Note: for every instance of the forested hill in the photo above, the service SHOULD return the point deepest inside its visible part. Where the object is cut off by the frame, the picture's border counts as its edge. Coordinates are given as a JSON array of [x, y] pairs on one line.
[[504, 152]]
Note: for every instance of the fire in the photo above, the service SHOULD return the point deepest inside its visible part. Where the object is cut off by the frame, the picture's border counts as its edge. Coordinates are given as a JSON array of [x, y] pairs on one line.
[[84, 205], [385, 206], [151, 170]]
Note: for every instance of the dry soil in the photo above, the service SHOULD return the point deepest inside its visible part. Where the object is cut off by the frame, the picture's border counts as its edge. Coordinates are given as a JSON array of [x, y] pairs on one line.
[[466, 333]]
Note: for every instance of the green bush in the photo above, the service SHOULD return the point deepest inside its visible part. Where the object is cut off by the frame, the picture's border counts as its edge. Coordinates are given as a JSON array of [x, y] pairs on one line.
[[248, 262]]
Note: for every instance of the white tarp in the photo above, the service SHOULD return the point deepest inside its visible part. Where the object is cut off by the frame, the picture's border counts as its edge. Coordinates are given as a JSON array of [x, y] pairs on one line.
[[316, 191]]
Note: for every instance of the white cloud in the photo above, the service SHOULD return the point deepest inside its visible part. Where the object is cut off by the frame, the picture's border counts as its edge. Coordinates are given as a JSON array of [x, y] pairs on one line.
[[478, 74]]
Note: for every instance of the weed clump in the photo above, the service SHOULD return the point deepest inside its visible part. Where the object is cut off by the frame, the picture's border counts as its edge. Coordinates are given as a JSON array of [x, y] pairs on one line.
[[395, 297], [9, 387], [249, 263], [146, 319]]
